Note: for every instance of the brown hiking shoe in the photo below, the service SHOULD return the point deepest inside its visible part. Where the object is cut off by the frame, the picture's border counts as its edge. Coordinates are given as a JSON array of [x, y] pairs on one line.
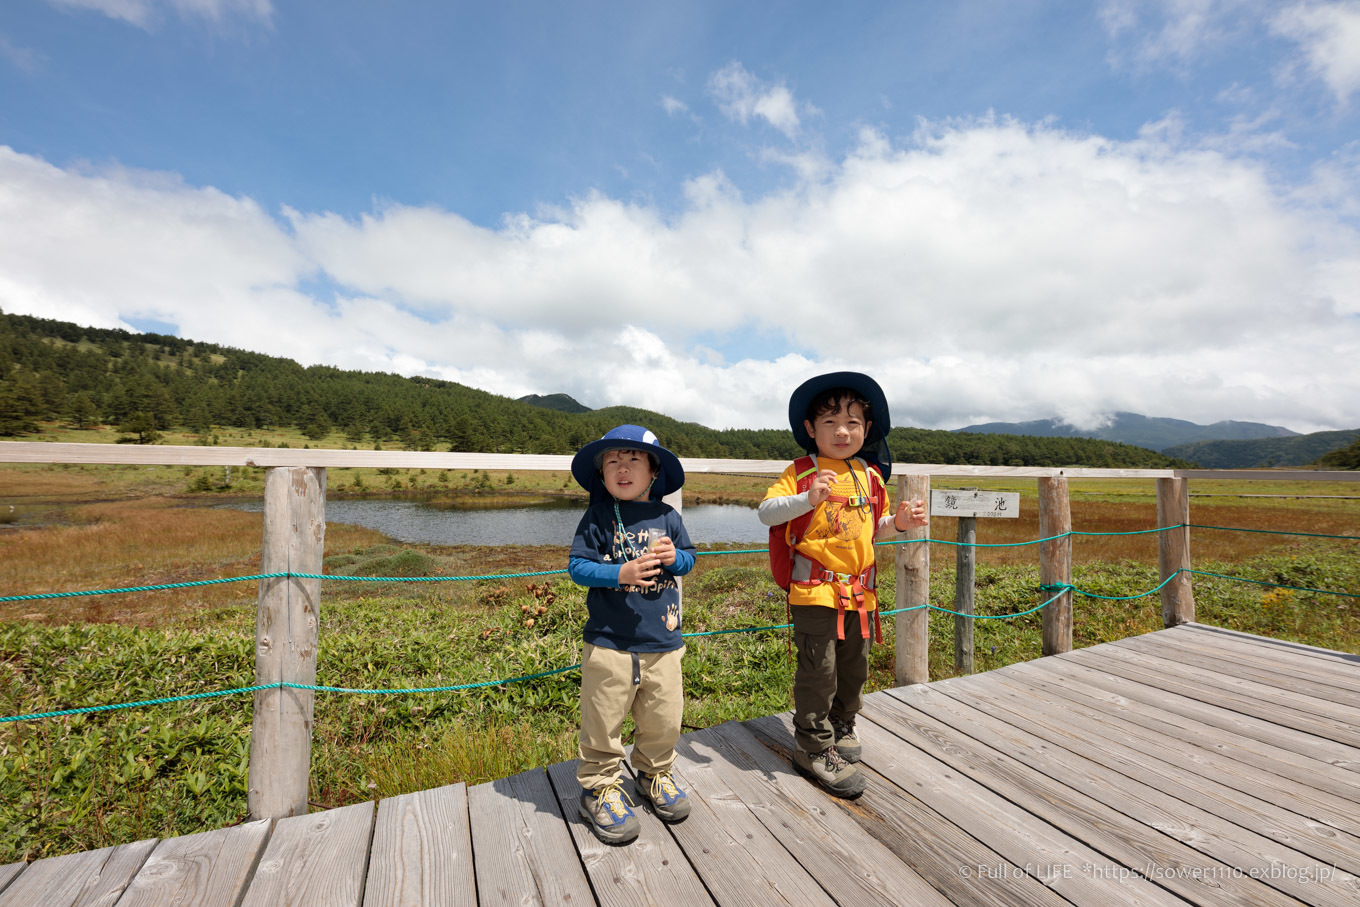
[[607, 811], [847, 743], [838, 777], [669, 802]]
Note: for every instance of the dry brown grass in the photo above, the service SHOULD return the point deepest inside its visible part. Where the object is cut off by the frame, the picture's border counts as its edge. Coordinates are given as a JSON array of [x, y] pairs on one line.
[[142, 542]]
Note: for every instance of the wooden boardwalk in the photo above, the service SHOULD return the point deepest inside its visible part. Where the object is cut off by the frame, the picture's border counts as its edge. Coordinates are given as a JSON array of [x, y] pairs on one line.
[[1189, 765]]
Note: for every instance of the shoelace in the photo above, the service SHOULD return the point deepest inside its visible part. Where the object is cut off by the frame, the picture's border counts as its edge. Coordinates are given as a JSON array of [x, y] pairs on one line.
[[666, 784], [834, 761], [613, 797]]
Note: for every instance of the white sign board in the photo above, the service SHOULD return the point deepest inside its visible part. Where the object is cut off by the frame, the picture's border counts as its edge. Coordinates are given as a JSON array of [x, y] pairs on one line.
[[975, 503]]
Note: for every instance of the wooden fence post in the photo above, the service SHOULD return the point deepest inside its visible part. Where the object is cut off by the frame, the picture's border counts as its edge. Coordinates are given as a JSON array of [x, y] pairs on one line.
[[1173, 551], [912, 662], [965, 576], [286, 632], [1055, 562]]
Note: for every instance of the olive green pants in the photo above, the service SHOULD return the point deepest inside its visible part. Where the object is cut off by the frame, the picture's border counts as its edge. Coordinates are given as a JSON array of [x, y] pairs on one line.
[[829, 678], [614, 684]]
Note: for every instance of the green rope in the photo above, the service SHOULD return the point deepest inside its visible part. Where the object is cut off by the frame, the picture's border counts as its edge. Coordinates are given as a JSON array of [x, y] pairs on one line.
[[1315, 535], [418, 579], [1242, 579], [737, 630], [1113, 598], [742, 551], [202, 582], [130, 705], [450, 689]]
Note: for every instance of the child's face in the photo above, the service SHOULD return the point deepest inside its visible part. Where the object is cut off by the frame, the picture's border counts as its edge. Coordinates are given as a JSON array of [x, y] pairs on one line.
[[627, 474], [839, 434]]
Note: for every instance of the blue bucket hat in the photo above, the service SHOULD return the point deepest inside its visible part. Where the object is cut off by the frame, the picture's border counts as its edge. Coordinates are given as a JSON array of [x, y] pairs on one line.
[[585, 466], [875, 449]]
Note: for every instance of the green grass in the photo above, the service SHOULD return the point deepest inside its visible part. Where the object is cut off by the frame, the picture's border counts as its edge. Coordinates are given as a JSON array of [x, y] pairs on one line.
[[85, 782]]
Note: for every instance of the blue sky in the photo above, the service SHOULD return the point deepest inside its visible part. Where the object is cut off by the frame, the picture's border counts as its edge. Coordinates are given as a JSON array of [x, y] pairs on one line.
[[1002, 210]]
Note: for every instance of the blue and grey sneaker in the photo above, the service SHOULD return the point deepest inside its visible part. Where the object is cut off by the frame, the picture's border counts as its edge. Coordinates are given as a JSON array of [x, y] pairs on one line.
[[608, 810], [669, 802]]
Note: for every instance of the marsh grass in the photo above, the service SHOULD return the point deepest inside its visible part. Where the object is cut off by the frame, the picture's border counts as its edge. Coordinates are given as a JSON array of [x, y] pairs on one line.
[[85, 782]]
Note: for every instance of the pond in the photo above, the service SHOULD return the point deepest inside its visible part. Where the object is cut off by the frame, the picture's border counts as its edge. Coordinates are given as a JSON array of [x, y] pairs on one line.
[[442, 523]]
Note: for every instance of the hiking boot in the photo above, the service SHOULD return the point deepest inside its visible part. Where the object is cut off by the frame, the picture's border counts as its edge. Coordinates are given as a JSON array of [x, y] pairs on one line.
[[847, 743], [668, 801], [838, 777], [609, 814]]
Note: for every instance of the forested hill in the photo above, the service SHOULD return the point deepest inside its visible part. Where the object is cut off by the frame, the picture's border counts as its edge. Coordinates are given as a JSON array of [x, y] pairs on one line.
[[56, 371], [1297, 451]]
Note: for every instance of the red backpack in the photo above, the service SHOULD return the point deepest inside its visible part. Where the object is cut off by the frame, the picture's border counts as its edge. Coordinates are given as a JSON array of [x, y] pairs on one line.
[[785, 536]]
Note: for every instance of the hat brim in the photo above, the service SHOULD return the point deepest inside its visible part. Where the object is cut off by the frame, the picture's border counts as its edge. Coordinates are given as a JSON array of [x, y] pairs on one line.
[[670, 476], [875, 448]]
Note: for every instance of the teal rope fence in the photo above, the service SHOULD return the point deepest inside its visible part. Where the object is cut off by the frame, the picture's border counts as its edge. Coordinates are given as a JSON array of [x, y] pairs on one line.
[[1058, 589]]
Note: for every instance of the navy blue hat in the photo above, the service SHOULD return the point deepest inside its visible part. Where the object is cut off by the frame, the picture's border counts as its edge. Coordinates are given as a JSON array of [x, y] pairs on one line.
[[875, 449], [585, 466]]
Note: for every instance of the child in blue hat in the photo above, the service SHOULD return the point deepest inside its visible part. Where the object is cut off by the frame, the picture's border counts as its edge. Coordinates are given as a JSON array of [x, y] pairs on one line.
[[827, 508], [629, 548]]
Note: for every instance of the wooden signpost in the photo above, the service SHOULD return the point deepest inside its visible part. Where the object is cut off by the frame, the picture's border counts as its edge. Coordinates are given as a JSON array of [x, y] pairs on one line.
[[968, 504]]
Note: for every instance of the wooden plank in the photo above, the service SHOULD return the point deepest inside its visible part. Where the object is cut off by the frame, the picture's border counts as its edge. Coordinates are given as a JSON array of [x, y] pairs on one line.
[[1139, 667], [1295, 664], [1084, 733], [96, 876], [954, 833], [1328, 752], [1248, 666], [318, 859], [1286, 645], [422, 850], [1131, 843], [210, 869], [9, 872], [817, 829], [1313, 772], [738, 859], [650, 870], [1340, 715], [1263, 787], [521, 847], [1245, 851]]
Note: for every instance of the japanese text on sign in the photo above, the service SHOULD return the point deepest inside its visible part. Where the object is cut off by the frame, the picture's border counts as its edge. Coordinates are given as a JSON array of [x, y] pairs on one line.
[[993, 504]]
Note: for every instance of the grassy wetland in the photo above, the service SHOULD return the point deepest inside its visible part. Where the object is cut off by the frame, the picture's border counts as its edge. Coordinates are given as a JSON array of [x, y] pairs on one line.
[[76, 783]]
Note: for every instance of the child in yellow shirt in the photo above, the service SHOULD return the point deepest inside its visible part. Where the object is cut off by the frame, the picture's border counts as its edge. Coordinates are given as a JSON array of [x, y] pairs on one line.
[[842, 419]]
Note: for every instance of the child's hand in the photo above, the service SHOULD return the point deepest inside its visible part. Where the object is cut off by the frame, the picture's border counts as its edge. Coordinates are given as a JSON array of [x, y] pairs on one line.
[[639, 571], [820, 489], [664, 549], [913, 513]]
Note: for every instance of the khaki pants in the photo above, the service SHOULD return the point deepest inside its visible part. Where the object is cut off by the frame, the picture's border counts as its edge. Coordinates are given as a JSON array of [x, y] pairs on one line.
[[609, 694], [830, 675]]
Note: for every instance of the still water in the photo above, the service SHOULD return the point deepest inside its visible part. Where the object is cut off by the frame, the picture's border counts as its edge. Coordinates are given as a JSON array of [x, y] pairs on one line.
[[438, 523]]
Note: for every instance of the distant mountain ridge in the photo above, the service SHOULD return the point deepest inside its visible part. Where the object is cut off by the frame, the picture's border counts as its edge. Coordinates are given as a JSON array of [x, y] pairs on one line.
[[1154, 433], [1301, 450], [562, 403]]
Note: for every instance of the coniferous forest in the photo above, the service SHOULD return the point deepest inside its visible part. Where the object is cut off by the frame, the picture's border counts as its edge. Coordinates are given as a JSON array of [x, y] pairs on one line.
[[145, 383]]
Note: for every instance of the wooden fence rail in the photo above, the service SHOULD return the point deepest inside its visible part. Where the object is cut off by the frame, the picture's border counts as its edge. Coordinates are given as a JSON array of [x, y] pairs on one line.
[[288, 608]]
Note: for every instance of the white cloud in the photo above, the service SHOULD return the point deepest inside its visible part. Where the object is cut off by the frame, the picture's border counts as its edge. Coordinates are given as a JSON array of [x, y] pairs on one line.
[[673, 106], [1173, 33], [741, 96], [1329, 37], [984, 270], [24, 59], [144, 13]]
